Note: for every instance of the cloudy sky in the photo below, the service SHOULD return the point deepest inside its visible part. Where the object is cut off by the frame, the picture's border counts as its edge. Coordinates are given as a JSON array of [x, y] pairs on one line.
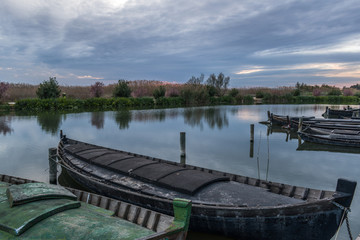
[[257, 43]]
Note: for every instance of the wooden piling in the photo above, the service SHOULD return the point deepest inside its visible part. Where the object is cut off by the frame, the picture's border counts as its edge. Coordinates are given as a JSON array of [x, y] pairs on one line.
[[251, 132], [52, 166], [300, 124], [182, 148], [252, 149]]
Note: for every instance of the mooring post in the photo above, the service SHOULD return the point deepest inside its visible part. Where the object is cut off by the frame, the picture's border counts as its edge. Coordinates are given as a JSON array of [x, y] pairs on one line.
[[251, 132], [52, 166], [300, 124], [182, 148], [252, 149]]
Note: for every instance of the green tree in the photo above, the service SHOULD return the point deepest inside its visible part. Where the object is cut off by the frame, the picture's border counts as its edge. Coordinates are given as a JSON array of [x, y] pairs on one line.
[[234, 92], [159, 92], [335, 92], [48, 89], [122, 89], [220, 82]]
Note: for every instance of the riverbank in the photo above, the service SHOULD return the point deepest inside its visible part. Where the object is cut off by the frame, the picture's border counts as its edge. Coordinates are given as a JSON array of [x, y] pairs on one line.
[[114, 104]]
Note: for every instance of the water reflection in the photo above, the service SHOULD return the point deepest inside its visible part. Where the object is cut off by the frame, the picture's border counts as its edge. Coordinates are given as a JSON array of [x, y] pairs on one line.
[[154, 116], [290, 134], [306, 146], [123, 118], [49, 122], [214, 117], [5, 125], [98, 119]]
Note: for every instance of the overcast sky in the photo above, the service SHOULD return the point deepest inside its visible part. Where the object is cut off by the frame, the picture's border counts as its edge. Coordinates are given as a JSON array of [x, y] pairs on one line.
[[257, 43]]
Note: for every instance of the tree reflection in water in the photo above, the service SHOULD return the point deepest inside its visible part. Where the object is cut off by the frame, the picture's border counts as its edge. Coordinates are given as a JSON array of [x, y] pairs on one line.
[[214, 117], [5, 125], [123, 118], [98, 119], [49, 122]]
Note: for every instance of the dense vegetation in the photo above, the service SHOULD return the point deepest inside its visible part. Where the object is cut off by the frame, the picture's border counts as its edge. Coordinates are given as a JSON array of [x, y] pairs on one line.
[[150, 94]]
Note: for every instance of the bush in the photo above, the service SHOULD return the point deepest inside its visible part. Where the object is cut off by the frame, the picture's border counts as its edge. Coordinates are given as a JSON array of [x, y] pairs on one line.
[[48, 89], [212, 91], [159, 92], [348, 92], [122, 89], [316, 92], [97, 89], [296, 92], [334, 92], [259, 94], [233, 92]]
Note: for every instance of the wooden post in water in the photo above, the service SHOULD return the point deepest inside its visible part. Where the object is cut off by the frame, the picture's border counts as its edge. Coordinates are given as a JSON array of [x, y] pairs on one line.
[[52, 166], [182, 148], [251, 140], [300, 124], [251, 132], [252, 149]]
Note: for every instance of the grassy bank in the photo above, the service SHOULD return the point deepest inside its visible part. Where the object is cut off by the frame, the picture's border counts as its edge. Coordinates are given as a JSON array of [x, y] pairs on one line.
[[154, 94], [96, 104], [107, 104]]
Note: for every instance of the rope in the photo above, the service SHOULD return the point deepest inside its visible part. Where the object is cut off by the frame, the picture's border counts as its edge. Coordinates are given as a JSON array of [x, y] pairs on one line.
[[348, 227]]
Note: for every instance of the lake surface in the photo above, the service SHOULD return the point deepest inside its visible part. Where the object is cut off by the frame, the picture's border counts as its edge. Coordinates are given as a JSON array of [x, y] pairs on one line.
[[216, 137]]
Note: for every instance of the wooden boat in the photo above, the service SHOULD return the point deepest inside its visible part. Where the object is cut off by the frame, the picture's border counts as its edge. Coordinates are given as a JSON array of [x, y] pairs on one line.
[[293, 122], [290, 121], [224, 203], [338, 137], [32, 210], [338, 113]]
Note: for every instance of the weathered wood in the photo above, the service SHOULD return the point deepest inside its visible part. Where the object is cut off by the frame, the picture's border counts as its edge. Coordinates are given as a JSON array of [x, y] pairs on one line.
[[52, 166], [223, 217], [252, 127]]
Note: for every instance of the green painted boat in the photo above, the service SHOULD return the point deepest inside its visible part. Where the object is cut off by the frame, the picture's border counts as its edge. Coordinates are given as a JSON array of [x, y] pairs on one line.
[[32, 210]]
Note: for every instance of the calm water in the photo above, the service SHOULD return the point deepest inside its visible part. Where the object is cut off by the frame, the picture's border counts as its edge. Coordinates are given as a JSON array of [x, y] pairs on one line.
[[216, 138]]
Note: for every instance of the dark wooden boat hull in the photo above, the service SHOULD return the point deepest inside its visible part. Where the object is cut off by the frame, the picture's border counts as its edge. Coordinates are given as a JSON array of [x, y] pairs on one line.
[[338, 113], [312, 220], [326, 139], [293, 122]]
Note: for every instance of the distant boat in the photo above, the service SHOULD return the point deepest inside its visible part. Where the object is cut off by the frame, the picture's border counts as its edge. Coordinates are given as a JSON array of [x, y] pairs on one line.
[[293, 122], [223, 203], [32, 210], [338, 137], [340, 113]]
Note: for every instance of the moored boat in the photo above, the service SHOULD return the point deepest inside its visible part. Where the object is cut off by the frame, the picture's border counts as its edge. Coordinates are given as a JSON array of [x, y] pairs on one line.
[[32, 210], [293, 122], [337, 137], [339, 113], [224, 203]]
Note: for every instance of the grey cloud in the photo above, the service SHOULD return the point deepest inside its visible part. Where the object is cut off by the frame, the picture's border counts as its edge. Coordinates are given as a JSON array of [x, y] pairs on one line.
[[166, 41]]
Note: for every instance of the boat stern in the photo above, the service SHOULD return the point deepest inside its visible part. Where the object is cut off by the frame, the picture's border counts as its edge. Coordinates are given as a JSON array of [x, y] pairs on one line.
[[348, 187]]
